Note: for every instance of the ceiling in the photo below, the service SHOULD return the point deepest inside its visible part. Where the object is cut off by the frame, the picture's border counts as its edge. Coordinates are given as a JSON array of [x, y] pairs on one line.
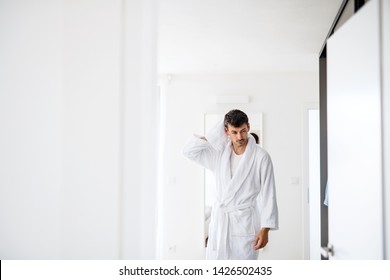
[[201, 36]]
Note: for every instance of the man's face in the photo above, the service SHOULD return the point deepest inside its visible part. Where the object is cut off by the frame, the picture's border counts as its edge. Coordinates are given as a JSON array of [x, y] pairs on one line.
[[238, 135]]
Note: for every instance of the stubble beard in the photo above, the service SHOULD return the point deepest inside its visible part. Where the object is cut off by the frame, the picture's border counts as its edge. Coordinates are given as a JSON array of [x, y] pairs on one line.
[[242, 142]]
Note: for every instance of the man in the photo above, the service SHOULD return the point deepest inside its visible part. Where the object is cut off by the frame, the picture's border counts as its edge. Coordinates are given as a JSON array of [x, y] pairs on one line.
[[239, 226]]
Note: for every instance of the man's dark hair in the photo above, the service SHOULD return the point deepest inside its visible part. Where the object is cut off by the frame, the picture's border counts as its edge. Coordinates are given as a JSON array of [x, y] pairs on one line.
[[236, 118]]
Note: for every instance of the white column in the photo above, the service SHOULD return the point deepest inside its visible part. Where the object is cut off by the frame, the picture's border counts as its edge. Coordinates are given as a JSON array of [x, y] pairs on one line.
[[140, 126]]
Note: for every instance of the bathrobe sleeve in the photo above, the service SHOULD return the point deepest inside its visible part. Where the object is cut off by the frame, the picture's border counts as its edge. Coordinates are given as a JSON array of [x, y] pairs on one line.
[[201, 152], [205, 152], [268, 204]]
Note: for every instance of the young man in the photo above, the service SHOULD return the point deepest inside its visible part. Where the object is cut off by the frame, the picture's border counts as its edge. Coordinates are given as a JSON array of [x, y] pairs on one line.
[[243, 170]]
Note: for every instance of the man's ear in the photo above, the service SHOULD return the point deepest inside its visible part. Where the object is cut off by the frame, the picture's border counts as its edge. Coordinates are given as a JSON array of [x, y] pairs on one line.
[[249, 127], [226, 131]]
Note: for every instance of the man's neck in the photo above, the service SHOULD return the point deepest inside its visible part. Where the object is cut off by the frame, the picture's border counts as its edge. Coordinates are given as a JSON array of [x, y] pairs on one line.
[[239, 150]]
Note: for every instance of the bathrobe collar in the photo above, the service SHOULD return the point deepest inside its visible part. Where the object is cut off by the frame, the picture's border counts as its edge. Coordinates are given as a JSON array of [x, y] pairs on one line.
[[230, 185]]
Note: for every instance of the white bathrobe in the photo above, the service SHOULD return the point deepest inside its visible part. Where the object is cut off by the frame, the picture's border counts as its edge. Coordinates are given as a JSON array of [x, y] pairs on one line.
[[236, 215]]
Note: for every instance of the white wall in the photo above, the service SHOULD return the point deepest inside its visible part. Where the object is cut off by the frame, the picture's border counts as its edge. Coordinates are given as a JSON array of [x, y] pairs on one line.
[[91, 119], [314, 189], [68, 129], [30, 128], [282, 98]]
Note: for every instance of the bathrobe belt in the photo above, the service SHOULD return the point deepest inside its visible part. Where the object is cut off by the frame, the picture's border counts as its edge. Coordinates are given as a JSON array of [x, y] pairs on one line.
[[221, 220]]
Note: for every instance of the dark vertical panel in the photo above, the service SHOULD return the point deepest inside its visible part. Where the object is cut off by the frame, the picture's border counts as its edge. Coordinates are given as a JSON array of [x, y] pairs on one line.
[[359, 4], [323, 148]]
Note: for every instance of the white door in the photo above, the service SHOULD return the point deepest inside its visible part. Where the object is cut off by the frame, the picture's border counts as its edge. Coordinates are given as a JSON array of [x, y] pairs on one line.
[[354, 137]]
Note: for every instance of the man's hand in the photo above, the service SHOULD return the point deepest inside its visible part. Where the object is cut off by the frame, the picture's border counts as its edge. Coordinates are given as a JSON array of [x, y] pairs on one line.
[[261, 238]]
